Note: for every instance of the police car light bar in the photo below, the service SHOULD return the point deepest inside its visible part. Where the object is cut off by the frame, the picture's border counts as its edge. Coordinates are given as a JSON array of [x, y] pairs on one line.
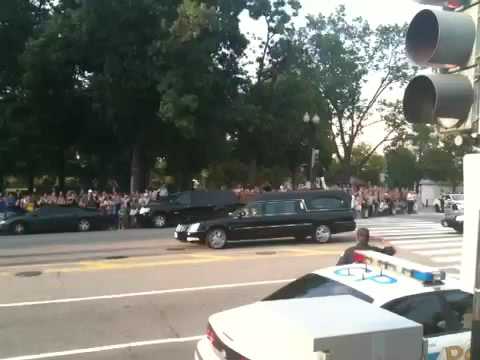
[[416, 271]]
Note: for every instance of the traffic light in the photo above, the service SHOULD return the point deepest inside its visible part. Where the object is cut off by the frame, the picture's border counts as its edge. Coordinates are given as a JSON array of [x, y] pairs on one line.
[[445, 41], [449, 4]]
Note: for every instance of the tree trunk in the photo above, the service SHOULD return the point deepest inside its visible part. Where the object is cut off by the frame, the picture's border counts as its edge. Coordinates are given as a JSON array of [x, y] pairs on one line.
[[347, 173], [61, 170], [293, 174], [30, 179], [183, 181], [252, 172], [137, 167]]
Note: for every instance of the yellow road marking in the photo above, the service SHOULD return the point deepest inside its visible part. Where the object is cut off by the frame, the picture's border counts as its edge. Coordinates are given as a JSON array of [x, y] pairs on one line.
[[185, 259]]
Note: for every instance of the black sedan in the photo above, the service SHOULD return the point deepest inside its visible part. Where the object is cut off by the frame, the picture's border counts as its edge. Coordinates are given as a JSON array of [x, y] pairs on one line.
[[316, 215], [52, 219], [454, 220], [11, 212]]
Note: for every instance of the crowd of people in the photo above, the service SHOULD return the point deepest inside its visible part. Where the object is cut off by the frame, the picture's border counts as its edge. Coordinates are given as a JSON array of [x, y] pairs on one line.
[[377, 201], [123, 206], [367, 201]]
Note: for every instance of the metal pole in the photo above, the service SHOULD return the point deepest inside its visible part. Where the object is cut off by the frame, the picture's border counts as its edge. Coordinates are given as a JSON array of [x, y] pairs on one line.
[[475, 342], [312, 165]]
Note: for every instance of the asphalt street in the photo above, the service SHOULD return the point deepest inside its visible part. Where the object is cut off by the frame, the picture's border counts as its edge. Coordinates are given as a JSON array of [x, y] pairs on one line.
[[65, 297], [64, 247]]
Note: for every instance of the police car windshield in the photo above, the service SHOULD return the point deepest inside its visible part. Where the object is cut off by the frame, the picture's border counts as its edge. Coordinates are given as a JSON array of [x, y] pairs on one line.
[[313, 285], [457, 197]]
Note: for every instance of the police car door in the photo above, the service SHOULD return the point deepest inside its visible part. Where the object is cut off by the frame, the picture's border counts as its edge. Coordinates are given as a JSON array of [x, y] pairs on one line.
[[446, 318]]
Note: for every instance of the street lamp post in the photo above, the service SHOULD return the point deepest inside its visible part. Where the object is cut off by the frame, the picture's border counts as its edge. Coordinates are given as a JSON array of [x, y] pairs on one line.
[[312, 121]]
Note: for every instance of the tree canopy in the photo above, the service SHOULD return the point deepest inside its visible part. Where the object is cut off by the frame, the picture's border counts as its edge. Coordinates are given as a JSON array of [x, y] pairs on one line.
[[101, 91]]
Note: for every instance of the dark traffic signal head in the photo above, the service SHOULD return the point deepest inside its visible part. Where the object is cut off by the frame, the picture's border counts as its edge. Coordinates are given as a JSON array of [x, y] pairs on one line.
[[445, 98], [451, 4], [442, 39]]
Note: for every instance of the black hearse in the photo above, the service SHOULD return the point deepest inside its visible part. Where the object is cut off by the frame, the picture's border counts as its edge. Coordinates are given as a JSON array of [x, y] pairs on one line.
[[310, 214]]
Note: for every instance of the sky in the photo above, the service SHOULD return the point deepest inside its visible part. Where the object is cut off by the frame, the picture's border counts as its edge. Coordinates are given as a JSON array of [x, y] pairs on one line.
[[376, 12]]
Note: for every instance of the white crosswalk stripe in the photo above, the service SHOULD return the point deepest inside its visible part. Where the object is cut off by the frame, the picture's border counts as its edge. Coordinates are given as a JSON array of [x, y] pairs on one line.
[[443, 246]]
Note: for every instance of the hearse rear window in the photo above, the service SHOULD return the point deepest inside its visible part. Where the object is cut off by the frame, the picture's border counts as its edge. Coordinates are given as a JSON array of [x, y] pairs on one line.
[[281, 207], [326, 203]]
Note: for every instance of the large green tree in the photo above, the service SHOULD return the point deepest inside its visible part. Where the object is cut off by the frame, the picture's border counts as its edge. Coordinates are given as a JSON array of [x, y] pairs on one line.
[[402, 168], [258, 121], [19, 21], [370, 170], [346, 55]]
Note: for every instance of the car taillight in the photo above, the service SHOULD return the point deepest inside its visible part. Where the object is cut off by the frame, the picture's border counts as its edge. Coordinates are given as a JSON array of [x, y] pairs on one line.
[[212, 337], [220, 346]]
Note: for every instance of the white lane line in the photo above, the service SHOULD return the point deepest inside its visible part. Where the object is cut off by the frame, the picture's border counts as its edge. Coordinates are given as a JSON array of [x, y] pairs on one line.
[[450, 268], [439, 252], [447, 259], [409, 235], [424, 226], [104, 348], [415, 229], [392, 220], [412, 231], [410, 225], [144, 293], [399, 224], [409, 238], [377, 221], [425, 246]]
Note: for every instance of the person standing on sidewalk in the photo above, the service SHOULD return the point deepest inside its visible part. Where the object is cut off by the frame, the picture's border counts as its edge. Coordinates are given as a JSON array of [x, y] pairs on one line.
[[410, 201]]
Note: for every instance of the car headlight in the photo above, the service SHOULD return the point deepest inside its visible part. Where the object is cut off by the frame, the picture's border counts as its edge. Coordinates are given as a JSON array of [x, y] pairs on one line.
[[144, 210], [194, 228], [2, 222], [459, 218]]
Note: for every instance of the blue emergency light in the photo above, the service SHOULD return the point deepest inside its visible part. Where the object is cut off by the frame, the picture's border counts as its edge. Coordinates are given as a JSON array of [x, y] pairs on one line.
[[431, 276]]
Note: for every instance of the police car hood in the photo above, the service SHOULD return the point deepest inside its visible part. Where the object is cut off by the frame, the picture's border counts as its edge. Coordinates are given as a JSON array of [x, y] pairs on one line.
[[296, 328]]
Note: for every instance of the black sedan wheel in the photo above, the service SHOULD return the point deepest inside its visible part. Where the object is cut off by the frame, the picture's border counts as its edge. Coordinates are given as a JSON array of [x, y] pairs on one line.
[[84, 225], [216, 239], [18, 228], [322, 234], [159, 221]]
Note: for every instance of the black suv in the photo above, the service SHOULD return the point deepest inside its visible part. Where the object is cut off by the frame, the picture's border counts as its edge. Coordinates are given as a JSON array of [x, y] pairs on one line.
[[189, 206], [315, 215]]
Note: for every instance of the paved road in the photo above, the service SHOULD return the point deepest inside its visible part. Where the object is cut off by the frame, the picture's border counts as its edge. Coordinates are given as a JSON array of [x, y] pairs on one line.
[[153, 306], [46, 248], [441, 247], [139, 308], [63, 247]]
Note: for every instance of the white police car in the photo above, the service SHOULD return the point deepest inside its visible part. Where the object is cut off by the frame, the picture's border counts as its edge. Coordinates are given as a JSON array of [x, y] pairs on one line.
[[422, 294]]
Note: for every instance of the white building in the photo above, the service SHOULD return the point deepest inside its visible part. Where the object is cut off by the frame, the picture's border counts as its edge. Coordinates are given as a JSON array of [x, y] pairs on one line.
[[430, 190]]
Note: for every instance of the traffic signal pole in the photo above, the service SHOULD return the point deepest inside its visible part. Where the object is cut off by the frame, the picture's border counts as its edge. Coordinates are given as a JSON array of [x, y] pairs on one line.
[[475, 342], [450, 99]]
